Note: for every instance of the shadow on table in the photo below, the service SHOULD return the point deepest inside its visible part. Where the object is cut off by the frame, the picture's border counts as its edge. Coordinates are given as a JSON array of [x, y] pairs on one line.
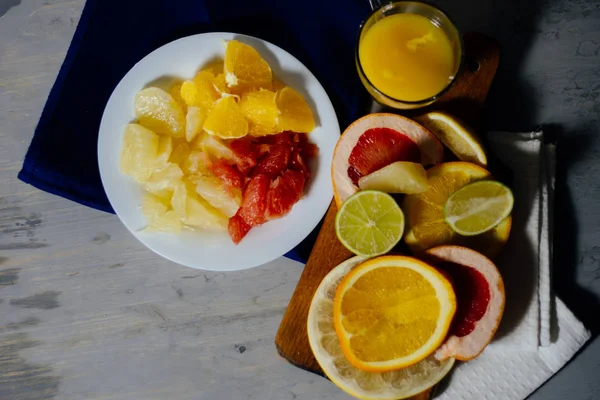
[[584, 304]]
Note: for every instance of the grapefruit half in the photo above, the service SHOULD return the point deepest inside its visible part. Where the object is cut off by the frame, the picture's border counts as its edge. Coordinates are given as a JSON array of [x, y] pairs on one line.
[[374, 141], [480, 300]]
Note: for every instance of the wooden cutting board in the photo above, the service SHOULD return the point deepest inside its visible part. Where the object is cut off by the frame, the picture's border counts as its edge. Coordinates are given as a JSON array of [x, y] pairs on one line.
[[465, 100]]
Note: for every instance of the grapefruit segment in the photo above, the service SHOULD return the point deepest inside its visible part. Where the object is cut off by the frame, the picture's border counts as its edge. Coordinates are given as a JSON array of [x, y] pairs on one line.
[[284, 192], [374, 150], [227, 173], [480, 300], [245, 154], [254, 202], [276, 160], [237, 228]]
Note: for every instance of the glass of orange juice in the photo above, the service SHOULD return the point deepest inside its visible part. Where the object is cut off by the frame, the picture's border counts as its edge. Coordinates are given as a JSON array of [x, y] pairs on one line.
[[408, 54]]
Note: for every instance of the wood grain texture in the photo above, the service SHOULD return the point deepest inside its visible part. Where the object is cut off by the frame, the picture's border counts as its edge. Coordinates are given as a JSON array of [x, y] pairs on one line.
[[465, 99]]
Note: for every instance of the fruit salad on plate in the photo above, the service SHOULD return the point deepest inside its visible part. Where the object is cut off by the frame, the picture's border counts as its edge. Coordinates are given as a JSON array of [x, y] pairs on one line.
[[226, 150], [385, 325]]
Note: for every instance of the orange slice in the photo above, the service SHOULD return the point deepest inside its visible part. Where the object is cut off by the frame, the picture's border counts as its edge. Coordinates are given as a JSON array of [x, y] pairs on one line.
[[392, 312], [389, 385], [296, 114], [426, 227], [260, 108], [244, 67], [226, 120]]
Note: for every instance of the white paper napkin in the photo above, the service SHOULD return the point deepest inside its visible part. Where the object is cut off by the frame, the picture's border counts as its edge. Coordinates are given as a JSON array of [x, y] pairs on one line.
[[527, 349]]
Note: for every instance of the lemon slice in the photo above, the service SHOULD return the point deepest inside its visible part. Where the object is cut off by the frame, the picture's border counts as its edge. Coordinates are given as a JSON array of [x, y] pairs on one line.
[[326, 348], [478, 207], [458, 137], [369, 223]]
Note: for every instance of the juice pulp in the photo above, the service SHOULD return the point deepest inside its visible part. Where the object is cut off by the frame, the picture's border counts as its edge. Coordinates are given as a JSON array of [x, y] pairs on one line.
[[407, 57]]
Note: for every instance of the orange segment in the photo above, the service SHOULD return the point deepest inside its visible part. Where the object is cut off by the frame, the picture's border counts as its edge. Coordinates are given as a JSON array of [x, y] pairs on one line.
[[244, 68], [392, 312], [426, 227], [226, 120], [295, 112], [260, 108]]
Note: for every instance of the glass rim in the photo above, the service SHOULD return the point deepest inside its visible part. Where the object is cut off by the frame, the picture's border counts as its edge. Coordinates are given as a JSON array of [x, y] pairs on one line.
[[393, 99]]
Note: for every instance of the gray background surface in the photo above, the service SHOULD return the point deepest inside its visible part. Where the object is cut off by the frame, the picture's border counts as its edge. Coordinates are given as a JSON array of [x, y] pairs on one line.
[[87, 312]]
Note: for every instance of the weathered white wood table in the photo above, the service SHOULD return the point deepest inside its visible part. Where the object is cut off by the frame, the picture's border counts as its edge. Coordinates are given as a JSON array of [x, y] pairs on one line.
[[88, 312]]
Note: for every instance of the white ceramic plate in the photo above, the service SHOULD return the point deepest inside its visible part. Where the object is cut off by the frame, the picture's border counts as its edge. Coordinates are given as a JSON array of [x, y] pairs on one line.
[[181, 59]]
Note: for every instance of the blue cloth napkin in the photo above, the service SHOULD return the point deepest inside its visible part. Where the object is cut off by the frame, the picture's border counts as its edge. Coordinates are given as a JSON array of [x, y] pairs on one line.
[[113, 35]]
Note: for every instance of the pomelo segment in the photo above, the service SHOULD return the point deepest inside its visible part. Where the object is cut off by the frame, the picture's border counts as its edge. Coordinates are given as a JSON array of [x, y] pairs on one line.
[[480, 296], [430, 149]]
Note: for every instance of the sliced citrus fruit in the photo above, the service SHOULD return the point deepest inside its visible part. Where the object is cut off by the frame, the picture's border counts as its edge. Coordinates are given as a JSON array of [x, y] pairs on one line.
[[169, 222], [260, 108], [397, 177], [326, 347], [244, 67], [296, 115], [226, 120], [225, 199], [480, 298], [194, 210], [425, 225], [391, 312], [139, 152], [180, 152], [176, 93], [456, 135], [369, 223], [153, 207], [165, 148], [158, 111], [197, 163], [194, 120], [478, 207], [374, 141], [162, 182], [213, 146]]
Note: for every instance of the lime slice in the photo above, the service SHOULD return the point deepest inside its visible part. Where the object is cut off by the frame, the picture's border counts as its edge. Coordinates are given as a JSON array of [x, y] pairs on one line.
[[369, 223], [478, 207], [456, 135], [326, 347]]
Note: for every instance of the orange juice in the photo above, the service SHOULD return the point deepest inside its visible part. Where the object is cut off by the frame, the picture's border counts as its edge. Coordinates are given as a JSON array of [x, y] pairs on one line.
[[407, 57]]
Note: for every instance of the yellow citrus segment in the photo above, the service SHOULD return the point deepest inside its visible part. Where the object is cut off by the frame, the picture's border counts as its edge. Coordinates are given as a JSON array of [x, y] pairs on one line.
[[139, 152], [296, 114], [175, 92], [153, 207], [200, 92], [157, 110], [193, 122], [245, 68], [389, 385], [392, 312], [260, 108], [425, 222], [226, 120], [456, 135]]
